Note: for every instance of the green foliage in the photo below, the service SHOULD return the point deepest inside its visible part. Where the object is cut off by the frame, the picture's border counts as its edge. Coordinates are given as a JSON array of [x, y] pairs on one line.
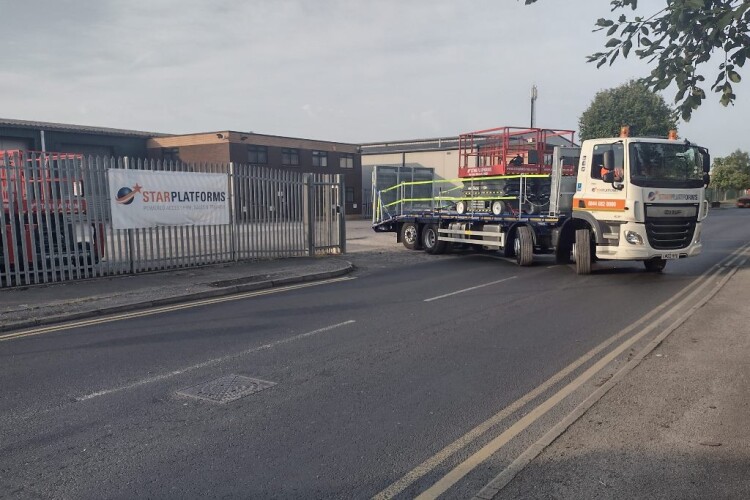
[[731, 172], [680, 40], [629, 104]]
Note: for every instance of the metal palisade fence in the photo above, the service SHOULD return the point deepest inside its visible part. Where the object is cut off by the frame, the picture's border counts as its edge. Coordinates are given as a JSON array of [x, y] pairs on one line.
[[57, 219]]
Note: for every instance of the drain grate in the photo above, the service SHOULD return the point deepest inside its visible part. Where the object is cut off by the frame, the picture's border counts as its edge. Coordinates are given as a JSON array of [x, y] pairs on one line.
[[226, 389]]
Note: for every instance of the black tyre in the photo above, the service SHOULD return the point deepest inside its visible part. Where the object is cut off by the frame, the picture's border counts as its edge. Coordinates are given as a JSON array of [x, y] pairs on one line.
[[430, 242], [410, 236], [655, 265], [523, 246], [583, 251]]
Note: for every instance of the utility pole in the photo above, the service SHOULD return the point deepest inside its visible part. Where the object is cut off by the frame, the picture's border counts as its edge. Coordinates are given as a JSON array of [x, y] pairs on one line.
[[533, 104]]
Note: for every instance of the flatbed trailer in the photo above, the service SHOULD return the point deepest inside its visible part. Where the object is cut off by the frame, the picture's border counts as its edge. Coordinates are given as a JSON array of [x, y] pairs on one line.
[[520, 236]]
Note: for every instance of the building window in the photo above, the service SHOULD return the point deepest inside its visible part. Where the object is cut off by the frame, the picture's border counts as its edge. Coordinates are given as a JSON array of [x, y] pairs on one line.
[[346, 160], [319, 159], [257, 155], [349, 194], [290, 156], [170, 154]]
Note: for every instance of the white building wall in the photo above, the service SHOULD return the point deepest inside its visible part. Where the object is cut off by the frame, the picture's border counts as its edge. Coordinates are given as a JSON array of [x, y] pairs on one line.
[[445, 162]]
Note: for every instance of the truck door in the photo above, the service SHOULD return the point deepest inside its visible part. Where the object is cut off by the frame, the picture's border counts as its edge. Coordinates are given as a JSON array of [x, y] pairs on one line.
[[601, 203]]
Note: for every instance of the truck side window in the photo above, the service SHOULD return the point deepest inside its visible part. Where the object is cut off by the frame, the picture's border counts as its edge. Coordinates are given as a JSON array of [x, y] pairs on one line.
[[597, 158], [597, 162]]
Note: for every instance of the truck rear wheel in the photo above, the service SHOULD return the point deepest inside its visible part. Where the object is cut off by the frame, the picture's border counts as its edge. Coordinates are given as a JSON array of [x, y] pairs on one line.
[[583, 251], [410, 236], [430, 241], [523, 246]]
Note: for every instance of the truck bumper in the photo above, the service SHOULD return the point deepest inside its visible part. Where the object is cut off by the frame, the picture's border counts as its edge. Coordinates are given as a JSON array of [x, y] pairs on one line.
[[643, 251]]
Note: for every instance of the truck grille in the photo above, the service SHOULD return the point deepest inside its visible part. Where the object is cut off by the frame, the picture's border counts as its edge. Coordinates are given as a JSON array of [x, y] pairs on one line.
[[670, 233]]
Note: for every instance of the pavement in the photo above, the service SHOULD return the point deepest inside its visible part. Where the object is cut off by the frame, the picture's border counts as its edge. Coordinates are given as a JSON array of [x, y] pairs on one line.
[[675, 427]]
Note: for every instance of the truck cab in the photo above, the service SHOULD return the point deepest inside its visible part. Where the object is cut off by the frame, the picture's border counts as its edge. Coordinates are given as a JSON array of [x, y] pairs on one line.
[[640, 198]]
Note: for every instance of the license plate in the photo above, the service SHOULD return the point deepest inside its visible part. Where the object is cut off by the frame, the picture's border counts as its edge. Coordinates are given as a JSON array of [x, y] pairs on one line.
[[670, 256]]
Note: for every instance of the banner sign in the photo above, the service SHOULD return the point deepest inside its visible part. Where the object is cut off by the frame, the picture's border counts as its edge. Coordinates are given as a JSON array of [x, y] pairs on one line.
[[143, 198]]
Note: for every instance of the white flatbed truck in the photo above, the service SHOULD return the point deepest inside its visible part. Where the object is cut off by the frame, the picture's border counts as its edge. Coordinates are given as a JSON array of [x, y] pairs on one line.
[[630, 198]]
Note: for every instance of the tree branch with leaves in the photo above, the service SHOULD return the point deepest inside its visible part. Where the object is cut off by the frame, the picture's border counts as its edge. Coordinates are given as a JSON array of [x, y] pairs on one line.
[[732, 172], [680, 40]]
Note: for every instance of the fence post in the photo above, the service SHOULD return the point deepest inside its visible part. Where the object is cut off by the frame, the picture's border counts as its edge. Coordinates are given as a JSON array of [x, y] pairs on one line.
[[308, 215], [342, 212], [232, 213], [131, 243]]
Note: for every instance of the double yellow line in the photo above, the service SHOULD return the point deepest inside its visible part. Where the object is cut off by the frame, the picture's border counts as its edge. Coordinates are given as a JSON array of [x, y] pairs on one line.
[[629, 336]]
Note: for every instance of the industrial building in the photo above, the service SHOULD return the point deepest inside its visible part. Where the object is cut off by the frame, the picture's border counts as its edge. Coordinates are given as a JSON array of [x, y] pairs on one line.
[[274, 152], [286, 153]]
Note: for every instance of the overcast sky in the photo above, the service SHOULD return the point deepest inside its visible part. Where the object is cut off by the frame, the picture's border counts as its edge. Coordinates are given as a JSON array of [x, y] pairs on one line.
[[340, 70]]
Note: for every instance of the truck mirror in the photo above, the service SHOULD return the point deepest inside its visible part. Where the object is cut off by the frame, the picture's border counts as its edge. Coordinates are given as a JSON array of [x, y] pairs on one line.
[[706, 160], [706, 179], [610, 178], [609, 160]]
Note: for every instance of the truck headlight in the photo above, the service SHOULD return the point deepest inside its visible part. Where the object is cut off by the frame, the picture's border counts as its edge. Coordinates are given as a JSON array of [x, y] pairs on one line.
[[633, 238]]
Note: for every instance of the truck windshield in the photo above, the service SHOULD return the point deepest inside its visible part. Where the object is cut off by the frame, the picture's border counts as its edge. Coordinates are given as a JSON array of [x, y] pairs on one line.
[[673, 165]]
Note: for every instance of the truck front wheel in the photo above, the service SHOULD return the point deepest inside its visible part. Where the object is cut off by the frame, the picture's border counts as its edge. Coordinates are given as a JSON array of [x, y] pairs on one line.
[[655, 265], [583, 251], [410, 236]]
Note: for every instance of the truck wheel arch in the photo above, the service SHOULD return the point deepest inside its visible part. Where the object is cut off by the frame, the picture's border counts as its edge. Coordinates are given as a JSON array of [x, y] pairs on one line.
[[584, 220]]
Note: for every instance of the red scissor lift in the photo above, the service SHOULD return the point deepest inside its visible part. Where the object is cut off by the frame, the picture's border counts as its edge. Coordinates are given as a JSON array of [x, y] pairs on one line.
[[510, 151], [491, 162], [41, 202]]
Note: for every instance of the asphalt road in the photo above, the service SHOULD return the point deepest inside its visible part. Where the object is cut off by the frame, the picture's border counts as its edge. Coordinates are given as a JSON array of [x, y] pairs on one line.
[[417, 360]]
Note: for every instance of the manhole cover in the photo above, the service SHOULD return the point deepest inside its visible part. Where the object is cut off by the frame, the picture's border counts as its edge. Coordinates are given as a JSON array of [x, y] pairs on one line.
[[226, 389]]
